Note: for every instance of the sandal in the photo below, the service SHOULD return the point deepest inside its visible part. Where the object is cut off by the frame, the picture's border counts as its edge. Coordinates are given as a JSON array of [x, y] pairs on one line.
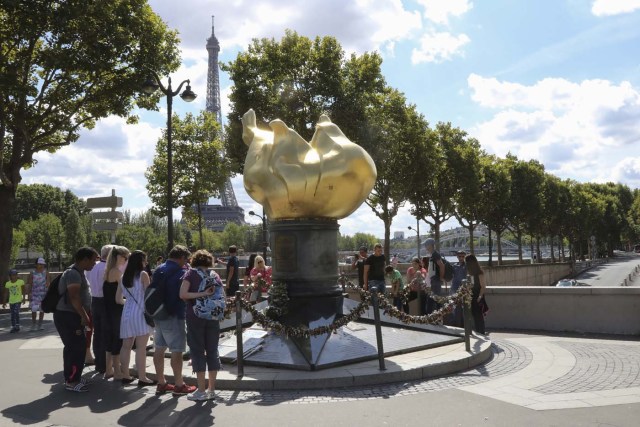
[[78, 388], [146, 383], [127, 381]]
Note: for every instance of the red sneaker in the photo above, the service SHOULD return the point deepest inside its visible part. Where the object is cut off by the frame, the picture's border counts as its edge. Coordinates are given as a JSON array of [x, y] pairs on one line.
[[164, 388], [183, 390]]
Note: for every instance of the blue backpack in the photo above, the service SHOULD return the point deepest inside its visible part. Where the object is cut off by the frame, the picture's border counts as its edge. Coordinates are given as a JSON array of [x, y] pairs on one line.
[[210, 307]]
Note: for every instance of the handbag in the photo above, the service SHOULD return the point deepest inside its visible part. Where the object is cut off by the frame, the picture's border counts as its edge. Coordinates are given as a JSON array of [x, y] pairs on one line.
[[148, 319]]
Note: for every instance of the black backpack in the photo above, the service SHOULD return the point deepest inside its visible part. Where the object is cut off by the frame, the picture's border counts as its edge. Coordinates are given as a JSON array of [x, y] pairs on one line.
[[154, 295], [50, 300], [448, 269]]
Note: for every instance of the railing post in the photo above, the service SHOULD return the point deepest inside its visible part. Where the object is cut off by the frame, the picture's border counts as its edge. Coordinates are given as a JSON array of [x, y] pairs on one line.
[[376, 318], [468, 318], [239, 346]]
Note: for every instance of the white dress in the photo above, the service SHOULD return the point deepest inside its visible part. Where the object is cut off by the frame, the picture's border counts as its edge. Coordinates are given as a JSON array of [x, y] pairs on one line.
[[133, 323]]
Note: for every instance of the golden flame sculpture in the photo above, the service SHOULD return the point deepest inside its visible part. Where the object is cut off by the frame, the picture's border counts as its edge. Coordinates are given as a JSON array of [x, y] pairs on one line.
[[328, 177]]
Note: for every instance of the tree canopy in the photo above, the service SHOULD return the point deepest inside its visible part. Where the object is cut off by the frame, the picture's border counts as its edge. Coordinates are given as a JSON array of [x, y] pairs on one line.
[[60, 74]]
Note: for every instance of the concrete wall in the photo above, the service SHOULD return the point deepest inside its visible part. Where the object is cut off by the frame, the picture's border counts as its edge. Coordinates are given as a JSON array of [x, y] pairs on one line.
[[607, 310], [506, 275]]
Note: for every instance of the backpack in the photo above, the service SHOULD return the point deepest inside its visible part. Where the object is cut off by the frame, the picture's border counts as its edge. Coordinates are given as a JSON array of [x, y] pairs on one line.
[[51, 298], [448, 269], [210, 307], [154, 296]]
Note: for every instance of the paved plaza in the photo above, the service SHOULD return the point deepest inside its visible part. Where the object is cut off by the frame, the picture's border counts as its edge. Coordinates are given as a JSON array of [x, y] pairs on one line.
[[530, 379]]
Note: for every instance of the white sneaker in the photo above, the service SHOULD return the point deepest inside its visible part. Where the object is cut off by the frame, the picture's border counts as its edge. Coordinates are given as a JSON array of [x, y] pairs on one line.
[[34, 327], [211, 395], [198, 395]]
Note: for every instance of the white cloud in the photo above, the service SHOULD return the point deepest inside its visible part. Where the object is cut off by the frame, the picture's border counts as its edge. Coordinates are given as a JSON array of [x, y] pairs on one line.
[[438, 11], [578, 130], [438, 47], [361, 25], [614, 7]]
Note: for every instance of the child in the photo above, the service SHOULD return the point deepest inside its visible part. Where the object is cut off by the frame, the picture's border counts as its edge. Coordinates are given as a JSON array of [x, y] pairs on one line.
[[37, 284], [397, 285], [16, 298]]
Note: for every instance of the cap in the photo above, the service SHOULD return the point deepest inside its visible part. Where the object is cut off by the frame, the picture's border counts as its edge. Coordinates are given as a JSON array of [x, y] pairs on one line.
[[13, 271], [461, 253], [41, 261], [363, 248], [430, 242]]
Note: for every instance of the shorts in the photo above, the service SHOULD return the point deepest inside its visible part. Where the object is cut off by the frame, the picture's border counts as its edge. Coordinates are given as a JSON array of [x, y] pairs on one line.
[[171, 333]]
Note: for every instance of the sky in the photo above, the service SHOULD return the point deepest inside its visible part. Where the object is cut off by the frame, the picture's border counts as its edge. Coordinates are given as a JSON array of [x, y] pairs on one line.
[[553, 80]]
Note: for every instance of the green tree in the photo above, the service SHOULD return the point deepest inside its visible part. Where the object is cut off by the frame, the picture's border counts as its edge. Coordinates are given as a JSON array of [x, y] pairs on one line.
[[463, 155], [50, 237], [200, 167], [74, 236], [33, 200], [527, 184], [496, 197], [29, 230], [396, 139], [434, 203], [296, 80], [233, 234], [58, 74], [19, 239]]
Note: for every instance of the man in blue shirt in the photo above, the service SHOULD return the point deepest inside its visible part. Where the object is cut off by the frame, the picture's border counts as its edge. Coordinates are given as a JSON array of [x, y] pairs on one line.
[[171, 333], [233, 267]]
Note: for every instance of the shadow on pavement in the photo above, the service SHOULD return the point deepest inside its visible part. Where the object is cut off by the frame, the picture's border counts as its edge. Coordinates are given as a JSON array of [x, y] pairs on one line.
[[161, 412]]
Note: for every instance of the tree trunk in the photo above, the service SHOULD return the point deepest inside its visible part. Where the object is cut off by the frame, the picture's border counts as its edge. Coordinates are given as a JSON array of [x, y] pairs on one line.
[[200, 225], [387, 239], [7, 206], [471, 227], [499, 239], [553, 254], [561, 256], [538, 254], [519, 239], [436, 234]]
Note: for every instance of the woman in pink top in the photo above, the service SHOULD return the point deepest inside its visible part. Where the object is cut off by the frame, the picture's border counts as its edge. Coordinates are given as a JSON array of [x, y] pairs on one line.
[[261, 271]]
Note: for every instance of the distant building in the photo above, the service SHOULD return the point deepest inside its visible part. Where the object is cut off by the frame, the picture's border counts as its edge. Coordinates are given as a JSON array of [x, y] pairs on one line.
[[398, 235]]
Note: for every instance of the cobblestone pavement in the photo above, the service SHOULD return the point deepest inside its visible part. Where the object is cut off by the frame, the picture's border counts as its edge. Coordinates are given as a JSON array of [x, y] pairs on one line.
[[507, 358], [597, 367]]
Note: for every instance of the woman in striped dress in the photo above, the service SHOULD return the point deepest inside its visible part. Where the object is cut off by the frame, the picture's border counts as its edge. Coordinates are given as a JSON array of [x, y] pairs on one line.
[[133, 326]]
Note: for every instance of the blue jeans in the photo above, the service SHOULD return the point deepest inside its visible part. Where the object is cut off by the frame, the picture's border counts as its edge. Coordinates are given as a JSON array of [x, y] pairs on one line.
[[15, 314], [379, 285]]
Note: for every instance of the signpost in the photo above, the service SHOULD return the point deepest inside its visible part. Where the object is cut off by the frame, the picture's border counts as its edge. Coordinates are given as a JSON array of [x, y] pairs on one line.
[[106, 220]]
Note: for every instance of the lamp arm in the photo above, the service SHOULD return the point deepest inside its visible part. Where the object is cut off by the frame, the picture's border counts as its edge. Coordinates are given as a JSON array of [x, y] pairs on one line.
[[177, 91]]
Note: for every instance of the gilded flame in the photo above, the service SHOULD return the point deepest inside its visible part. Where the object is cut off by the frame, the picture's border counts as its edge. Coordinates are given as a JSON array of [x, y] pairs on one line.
[[329, 177]]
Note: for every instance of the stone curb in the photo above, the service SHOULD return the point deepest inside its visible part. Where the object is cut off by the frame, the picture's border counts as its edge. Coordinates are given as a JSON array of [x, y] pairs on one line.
[[418, 365]]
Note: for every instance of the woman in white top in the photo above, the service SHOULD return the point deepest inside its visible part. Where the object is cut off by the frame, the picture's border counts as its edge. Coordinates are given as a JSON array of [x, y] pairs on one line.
[[133, 326]]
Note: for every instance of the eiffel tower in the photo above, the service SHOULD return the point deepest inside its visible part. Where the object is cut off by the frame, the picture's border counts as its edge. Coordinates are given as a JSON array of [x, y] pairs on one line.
[[216, 217]]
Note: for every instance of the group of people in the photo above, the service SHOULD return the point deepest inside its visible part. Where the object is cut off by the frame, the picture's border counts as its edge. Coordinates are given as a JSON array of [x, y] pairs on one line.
[[105, 294], [374, 273]]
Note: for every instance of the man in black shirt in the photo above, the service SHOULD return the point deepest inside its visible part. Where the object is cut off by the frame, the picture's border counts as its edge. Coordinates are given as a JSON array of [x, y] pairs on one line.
[[374, 271], [358, 262]]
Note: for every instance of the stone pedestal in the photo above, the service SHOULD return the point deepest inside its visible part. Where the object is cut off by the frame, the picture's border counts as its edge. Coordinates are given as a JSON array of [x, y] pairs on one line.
[[305, 257]]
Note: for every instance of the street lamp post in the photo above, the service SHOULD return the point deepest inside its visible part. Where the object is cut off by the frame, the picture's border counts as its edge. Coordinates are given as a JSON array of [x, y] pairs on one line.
[[417, 230], [150, 86], [263, 217]]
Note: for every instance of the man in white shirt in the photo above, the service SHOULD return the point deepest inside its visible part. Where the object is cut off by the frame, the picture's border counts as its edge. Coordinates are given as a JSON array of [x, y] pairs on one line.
[[95, 277]]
